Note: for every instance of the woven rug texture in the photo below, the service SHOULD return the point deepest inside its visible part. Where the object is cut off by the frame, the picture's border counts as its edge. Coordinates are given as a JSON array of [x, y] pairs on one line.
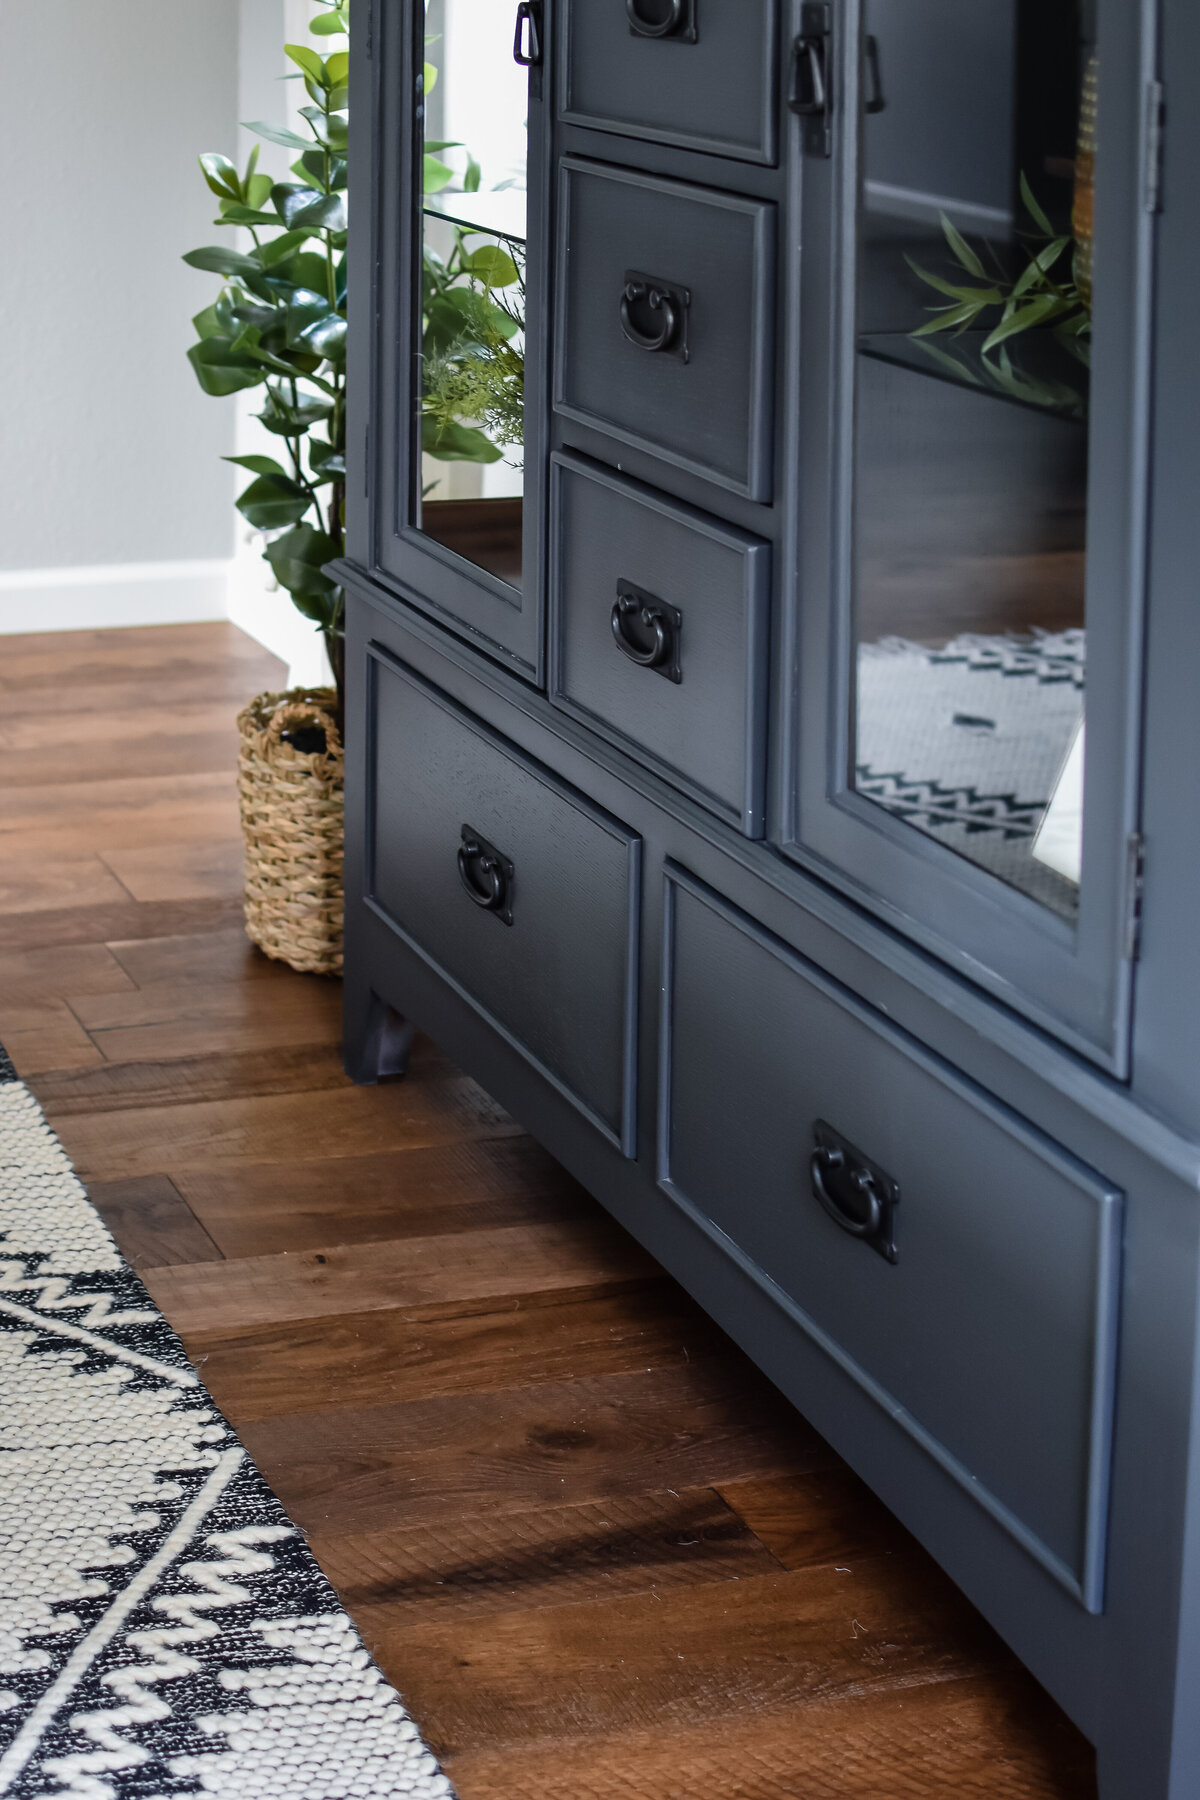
[[164, 1630]]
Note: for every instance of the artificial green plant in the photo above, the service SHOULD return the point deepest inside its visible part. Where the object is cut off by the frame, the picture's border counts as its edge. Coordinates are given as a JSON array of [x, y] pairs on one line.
[[279, 324]]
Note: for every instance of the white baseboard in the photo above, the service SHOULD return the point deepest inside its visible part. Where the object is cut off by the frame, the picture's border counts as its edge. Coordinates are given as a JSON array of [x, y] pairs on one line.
[[113, 594]]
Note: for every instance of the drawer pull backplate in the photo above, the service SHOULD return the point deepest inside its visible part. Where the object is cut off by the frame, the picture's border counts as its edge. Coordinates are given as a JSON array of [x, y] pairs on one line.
[[854, 1191], [654, 314]]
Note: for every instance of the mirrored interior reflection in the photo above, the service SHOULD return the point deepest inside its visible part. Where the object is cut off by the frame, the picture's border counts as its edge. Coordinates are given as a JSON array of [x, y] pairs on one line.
[[974, 307], [471, 410]]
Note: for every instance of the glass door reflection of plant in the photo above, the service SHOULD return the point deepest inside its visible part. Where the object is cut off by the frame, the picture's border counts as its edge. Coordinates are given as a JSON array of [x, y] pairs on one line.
[[970, 522], [472, 400]]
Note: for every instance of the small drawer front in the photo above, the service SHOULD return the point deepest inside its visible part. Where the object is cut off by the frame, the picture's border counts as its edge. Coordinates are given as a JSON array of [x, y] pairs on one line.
[[666, 336], [659, 621], [700, 74], [513, 885], [957, 1263]]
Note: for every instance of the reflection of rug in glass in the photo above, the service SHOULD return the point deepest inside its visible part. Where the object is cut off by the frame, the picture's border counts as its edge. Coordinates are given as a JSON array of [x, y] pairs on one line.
[[967, 742]]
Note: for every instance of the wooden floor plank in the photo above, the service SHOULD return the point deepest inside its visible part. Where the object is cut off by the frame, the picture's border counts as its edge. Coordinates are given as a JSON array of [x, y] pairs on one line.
[[468, 1265], [275, 1128], [484, 1563], [993, 1737], [171, 870], [109, 914], [51, 882], [733, 1648], [194, 1018], [472, 1346], [598, 1551], [226, 1075], [152, 1222], [456, 1186], [559, 1443]]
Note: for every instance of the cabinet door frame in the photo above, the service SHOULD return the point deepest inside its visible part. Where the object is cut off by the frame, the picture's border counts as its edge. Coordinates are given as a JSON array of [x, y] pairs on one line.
[[1074, 981], [503, 621]]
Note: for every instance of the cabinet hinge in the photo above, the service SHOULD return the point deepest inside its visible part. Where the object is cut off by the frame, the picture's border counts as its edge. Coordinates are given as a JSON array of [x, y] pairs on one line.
[[1156, 115], [1135, 880]]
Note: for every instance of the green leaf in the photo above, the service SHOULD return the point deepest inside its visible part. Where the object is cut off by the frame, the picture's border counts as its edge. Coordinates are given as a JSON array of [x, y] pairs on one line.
[[962, 250], [947, 318], [1034, 210], [285, 420], [448, 441], [492, 265], [990, 296], [258, 465], [337, 67], [430, 77], [308, 60], [279, 134], [273, 501], [216, 261], [473, 176], [330, 24], [1024, 319], [280, 248], [304, 207], [207, 323], [256, 189], [308, 270], [233, 213], [221, 177], [436, 175], [325, 459], [297, 558], [220, 369]]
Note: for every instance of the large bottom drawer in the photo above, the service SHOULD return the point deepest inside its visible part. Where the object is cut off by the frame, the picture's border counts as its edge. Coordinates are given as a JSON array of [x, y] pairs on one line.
[[954, 1261], [515, 887]]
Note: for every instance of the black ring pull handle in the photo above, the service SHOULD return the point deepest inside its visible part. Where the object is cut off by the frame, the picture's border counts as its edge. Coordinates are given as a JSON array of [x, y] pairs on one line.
[[651, 617], [876, 101], [810, 97], [676, 15], [647, 630], [658, 301], [862, 1184], [485, 874], [858, 1196], [527, 40]]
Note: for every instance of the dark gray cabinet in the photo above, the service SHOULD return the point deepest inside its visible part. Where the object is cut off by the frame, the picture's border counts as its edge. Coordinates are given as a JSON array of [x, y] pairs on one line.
[[771, 640]]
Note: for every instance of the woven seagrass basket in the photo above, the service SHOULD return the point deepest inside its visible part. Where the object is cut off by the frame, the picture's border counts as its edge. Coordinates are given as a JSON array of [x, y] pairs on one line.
[[291, 774]]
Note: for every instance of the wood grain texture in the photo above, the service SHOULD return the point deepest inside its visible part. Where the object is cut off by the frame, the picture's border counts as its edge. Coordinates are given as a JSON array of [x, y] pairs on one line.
[[152, 1222], [599, 1554], [472, 1265]]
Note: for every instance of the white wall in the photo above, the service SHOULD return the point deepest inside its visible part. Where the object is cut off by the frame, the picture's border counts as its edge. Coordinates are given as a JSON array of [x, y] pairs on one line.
[[112, 493], [115, 506]]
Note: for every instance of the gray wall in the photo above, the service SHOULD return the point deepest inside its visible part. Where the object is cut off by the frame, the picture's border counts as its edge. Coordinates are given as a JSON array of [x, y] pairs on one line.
[[109, 452]]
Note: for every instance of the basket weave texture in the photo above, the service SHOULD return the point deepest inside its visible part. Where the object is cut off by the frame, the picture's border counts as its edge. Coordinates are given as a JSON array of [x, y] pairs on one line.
[[292, 805]]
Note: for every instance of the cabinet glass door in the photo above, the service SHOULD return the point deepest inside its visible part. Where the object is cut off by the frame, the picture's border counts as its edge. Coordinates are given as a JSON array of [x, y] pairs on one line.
[[461, 261], [981, 193], [474, 228]]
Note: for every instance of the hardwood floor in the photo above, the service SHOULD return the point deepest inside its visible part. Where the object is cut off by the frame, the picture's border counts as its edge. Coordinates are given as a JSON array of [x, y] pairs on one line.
[[596, 1552]]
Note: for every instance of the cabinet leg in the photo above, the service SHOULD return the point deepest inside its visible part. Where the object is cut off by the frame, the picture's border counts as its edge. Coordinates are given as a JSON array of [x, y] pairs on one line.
[[376, 1039]]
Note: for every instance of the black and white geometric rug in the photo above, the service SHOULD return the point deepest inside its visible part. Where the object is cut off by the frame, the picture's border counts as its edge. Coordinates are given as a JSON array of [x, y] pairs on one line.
[[164, 1630]]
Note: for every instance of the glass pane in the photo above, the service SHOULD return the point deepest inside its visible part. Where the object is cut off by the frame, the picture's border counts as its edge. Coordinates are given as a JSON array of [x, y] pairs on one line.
[[473, 314], [973, 325]]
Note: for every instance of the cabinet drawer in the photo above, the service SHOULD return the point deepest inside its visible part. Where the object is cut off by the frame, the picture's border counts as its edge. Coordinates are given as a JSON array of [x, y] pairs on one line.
[[991, 1337], [666, 337], [637, 576], [518, 890], [697, 73]]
